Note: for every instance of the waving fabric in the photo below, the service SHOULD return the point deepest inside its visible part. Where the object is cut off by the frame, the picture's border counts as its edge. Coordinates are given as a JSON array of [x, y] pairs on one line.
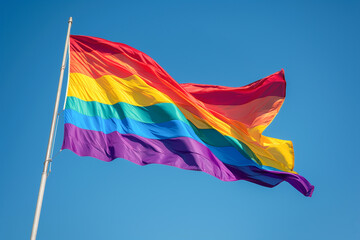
[[122, 104]]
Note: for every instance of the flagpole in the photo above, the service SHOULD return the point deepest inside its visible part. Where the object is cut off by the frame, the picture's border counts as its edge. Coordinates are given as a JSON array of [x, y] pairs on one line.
[[51, 139]]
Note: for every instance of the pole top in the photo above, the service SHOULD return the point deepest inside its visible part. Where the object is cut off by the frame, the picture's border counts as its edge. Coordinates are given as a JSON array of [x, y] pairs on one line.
[[70, 20]]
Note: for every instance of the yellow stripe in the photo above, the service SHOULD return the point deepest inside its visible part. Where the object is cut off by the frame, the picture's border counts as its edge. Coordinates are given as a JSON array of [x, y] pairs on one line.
[[110, 89]]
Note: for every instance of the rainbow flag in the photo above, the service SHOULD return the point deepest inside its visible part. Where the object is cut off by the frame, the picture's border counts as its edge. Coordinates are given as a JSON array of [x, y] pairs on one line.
[[122, 104]]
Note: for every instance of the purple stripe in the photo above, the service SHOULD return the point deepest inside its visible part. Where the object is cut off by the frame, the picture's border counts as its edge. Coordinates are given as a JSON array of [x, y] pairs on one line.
[[181, 152]]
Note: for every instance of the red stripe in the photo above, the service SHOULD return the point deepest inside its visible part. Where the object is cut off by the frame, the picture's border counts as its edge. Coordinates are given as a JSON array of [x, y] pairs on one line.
[[273, 85], [258, 112], [126, 54]]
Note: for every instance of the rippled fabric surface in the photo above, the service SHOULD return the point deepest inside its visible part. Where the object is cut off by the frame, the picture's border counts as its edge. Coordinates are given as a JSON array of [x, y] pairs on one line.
[[122, 104]]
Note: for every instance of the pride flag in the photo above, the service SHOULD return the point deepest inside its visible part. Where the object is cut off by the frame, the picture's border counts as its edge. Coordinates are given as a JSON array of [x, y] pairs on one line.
[[122, 104]]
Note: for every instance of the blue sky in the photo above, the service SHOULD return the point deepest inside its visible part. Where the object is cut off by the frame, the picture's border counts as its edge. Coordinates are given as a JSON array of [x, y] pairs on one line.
[[228, 43]]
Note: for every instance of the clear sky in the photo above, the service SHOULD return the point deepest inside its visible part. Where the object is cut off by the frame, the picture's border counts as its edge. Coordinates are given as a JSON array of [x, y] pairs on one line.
[[228, 43]]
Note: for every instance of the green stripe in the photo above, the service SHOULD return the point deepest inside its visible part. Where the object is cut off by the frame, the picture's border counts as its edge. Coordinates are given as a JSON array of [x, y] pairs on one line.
[[157, 113]]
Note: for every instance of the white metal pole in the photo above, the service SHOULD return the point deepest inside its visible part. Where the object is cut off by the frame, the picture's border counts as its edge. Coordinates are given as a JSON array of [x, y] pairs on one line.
[[50, 143]]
